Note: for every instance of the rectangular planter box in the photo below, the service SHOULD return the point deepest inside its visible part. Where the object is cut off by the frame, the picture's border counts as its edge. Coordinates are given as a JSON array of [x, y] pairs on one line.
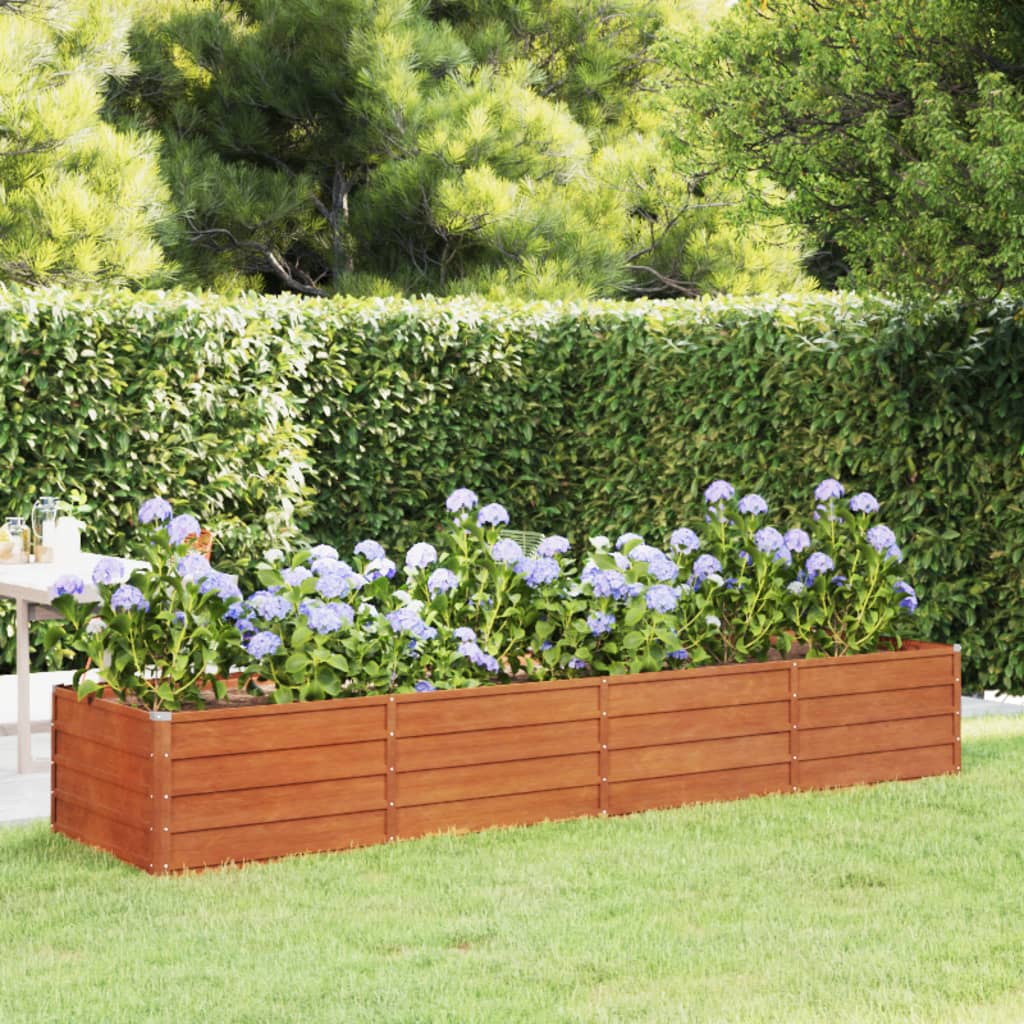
[[197, 788]]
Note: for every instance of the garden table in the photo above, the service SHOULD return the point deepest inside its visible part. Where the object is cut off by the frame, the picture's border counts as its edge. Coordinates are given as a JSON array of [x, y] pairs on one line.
[[29, 586]]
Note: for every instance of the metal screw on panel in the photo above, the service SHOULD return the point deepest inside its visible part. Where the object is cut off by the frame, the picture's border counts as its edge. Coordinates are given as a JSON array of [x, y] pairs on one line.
[[604, 746], [391, 734], [166, 829], [604, 780], [794, 757], [391, 768], [391, 804]]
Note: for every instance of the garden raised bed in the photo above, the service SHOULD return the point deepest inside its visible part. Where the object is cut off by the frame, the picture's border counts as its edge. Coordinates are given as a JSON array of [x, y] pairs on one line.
[[169, 791]]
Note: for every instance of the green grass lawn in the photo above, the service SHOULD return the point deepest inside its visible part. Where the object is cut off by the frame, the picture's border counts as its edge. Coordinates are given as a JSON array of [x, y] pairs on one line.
[[899, 902]]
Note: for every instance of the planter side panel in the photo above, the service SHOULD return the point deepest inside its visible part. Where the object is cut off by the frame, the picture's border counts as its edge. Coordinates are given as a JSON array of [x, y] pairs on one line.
[[101, 776]]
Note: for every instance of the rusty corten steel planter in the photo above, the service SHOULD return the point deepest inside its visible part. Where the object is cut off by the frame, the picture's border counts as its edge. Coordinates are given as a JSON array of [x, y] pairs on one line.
[[169, 791]]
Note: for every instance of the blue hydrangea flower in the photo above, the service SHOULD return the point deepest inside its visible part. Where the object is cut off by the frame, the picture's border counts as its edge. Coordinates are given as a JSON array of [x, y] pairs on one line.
[[881, 538], [329, 618], [370, 549], [705, 566], [752, 505], [423, 686], [155, 510], [179, 618], [492, 515], [225, 585], [67, 584], [663, 569], [380, 567], [193, 567], [245, 626], [180, 528], [109, 571], [578, 664], [269, 606], [127, 597], [297, 576], [606, 583], [628, 538], [797, 540], [506, 551], [407, 620], [718, 491], [828, 490], [818, 563], [644, 552], [661, 598], [681, 655], [839, 581], [909, 602], [235, 612], [796, 587], [551, 546], [335, 584], [325, 565], [419, 556], [478, 656], [441, 581], [894, 552], [684, 540], [600, 623], [367, 609], [323, 551], [465, 634], [769, 539], [262, 645], [461, 498], [538, 572], [864, 502]]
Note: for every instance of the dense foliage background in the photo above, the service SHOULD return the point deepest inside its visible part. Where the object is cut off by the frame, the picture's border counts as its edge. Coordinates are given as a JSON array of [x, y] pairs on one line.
[[343, 419]]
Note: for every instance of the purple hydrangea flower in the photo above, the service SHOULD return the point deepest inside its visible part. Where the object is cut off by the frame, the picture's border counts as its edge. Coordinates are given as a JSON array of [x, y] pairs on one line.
[[329, 618], [423, 686], [752, 505], [606, 582], [465, 634], [881, 538], [478, 656], [537, 572], [578, 664], [370, 549], [769, 539], [600, 623], [127, 597], [193, 567], [828, 490], [407, 620], [380, 567], [663, 569], [551, 546], [245, 626], [506, 551], [492, 515], [461, 498], [894, 552], [67, 584], [324, 565], [797, 540], [681, 655], [661, 598], [180, 528], [441, 581], [262, 645], [839, 581], [323, 551], [179, 618], [109, 571], [705, 566], [235, 612], [269, 606], [225, 585], [818, 563], [719, 491], [628, 538], [684, 540], [645, 552], [335, 584], [155, 510], [297, 576], [419, 556], [864, 502], [909, 602]]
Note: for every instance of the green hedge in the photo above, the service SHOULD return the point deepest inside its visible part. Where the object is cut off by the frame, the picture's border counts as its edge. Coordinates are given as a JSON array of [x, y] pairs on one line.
[[589, 418]]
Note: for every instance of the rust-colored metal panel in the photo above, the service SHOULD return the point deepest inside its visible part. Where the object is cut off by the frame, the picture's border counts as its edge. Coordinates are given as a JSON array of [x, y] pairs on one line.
[[301, 764], [699, 756], [646, 794], [819, 712], [494, 708], [128, 806], [490, 812], [884, 767], [889, 672], [276, 839], [276, 803], [700, 724], [449, 750], [88, 825], [875, 737], [197, 737], [127, 732], [706, 692], [97, 759], [435, 785]]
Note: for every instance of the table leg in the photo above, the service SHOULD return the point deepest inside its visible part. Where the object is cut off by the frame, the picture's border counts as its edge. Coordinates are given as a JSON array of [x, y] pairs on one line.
[[26, 762]]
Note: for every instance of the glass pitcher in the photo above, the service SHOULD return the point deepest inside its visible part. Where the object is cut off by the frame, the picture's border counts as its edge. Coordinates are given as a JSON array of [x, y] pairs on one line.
[[44, 525], [14, 541]]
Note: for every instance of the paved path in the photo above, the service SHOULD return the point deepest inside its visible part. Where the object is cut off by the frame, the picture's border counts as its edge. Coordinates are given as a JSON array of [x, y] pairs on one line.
[[27, 797]]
